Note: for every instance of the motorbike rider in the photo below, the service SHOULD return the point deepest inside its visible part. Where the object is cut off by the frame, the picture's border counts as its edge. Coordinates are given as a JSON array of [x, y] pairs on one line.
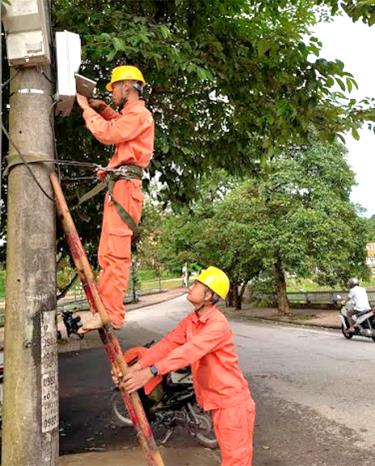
[[357, 301], [205, 341]]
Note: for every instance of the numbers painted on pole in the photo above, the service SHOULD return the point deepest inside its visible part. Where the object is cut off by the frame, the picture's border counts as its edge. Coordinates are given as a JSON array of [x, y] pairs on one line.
[[49, 382]]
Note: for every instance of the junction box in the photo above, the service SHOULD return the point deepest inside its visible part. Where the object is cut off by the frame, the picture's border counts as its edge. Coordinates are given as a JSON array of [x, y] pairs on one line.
[[27, 32]]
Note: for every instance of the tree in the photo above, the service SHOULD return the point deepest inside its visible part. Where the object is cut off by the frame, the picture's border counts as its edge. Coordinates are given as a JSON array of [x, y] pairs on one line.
[[305, 223], [230, 83], [297, 219]]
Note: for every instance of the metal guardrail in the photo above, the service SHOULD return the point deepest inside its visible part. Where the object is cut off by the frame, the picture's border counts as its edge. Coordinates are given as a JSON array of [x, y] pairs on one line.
[[77, 298], [323, 297]]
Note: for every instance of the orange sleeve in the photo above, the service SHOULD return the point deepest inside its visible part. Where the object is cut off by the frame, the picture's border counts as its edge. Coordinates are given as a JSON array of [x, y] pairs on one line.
[[199, 345], [173, 339], [108, 113], [124, 128]]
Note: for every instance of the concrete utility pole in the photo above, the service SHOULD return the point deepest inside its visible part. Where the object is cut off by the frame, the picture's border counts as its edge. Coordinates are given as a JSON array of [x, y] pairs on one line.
[[30, 420]]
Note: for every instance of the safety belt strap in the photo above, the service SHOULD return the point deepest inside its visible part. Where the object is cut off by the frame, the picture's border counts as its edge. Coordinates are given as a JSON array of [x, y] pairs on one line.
[[125, 216], [93, 192], [124, 172]]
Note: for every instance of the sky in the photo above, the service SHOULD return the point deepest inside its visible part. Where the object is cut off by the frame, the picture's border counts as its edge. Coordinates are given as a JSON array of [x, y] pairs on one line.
[[353, 44]]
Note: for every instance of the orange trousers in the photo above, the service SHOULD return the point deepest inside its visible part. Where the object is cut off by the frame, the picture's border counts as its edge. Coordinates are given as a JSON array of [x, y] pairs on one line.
[[234, 429], [115, 248]]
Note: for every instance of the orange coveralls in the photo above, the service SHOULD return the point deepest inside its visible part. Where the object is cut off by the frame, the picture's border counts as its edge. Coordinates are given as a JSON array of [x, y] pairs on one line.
[[132, 132], [206, 343]]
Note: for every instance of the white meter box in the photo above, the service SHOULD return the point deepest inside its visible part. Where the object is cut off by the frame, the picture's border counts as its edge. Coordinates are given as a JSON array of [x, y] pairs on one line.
[[27, 32], [68, 61]]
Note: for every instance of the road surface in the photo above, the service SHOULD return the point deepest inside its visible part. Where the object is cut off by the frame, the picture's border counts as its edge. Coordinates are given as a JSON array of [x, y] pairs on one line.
[[313, 390]]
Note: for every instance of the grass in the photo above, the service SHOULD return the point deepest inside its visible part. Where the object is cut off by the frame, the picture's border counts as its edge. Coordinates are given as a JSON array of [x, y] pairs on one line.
[[165, 284]]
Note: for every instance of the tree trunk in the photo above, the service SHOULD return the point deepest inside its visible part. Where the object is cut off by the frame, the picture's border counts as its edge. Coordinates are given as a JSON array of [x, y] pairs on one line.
[[230, 298], [240, 295], [280, 282], [237, 297]]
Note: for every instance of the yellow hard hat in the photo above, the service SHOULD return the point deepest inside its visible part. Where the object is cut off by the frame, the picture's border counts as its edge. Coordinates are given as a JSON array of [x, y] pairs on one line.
[[120, 73], [216, 280]]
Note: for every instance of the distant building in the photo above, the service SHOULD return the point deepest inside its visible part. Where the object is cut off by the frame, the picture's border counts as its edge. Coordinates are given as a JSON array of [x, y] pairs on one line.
[[370, 261]]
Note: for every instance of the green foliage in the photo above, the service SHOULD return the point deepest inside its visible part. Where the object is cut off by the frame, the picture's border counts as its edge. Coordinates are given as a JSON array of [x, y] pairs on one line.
[[229, 81], [358, 10], [299, 211], [371, 228]]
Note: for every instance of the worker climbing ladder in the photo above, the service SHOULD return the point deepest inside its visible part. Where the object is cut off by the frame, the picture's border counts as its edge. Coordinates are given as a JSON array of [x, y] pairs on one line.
[[111, 344]]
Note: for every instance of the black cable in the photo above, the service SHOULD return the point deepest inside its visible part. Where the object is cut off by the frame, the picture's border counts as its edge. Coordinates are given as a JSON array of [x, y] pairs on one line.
[[47, 77], [5, 83], [26, 163]]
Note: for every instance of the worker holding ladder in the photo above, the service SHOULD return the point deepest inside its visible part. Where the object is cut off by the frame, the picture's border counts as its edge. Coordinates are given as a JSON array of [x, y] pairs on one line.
[[131, 130]]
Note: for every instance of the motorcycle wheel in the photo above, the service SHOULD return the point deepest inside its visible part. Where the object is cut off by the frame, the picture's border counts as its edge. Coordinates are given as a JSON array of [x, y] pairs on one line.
[[204, 432], [119, 412], [347, 335]]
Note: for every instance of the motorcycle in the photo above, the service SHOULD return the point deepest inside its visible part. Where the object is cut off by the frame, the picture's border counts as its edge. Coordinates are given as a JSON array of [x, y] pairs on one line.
[[169, 401], [364, 323], [72, 324]]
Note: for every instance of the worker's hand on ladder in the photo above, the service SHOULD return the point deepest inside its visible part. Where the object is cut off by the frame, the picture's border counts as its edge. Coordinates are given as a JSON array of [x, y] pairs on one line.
[[117, 375], [136, 379]]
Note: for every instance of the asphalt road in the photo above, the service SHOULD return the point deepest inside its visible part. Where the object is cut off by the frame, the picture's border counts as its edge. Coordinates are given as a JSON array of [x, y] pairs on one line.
[[313, 389]]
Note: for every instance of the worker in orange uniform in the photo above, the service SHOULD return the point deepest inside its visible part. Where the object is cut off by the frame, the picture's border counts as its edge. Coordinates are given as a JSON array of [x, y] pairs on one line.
[[205, 341], [131, 130]]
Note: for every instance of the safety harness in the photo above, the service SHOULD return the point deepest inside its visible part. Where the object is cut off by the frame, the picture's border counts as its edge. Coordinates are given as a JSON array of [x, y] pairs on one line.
[[123, 172]]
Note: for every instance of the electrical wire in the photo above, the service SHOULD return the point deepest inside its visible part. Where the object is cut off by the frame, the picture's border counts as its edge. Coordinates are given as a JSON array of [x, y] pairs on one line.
[[5, 83], [26, 163], [56, 161]]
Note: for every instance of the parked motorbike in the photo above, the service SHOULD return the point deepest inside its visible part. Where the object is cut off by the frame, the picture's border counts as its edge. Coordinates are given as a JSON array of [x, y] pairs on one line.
[[168, 401], [72, 324], [364, 323]]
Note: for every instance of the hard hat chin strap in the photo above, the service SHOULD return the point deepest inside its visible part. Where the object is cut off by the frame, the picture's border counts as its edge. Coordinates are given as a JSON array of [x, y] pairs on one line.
[[200, 307], [124, 98], [202, 304]]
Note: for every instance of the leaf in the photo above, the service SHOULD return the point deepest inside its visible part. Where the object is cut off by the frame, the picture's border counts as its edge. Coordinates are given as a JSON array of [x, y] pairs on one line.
[[201, 73], [355, 134], [118, 44], [340, 83], [165, 32], [263, 46], [111, 55]]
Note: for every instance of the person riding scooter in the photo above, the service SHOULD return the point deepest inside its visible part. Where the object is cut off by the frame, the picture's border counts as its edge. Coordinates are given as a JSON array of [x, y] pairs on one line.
[[356, 302]]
